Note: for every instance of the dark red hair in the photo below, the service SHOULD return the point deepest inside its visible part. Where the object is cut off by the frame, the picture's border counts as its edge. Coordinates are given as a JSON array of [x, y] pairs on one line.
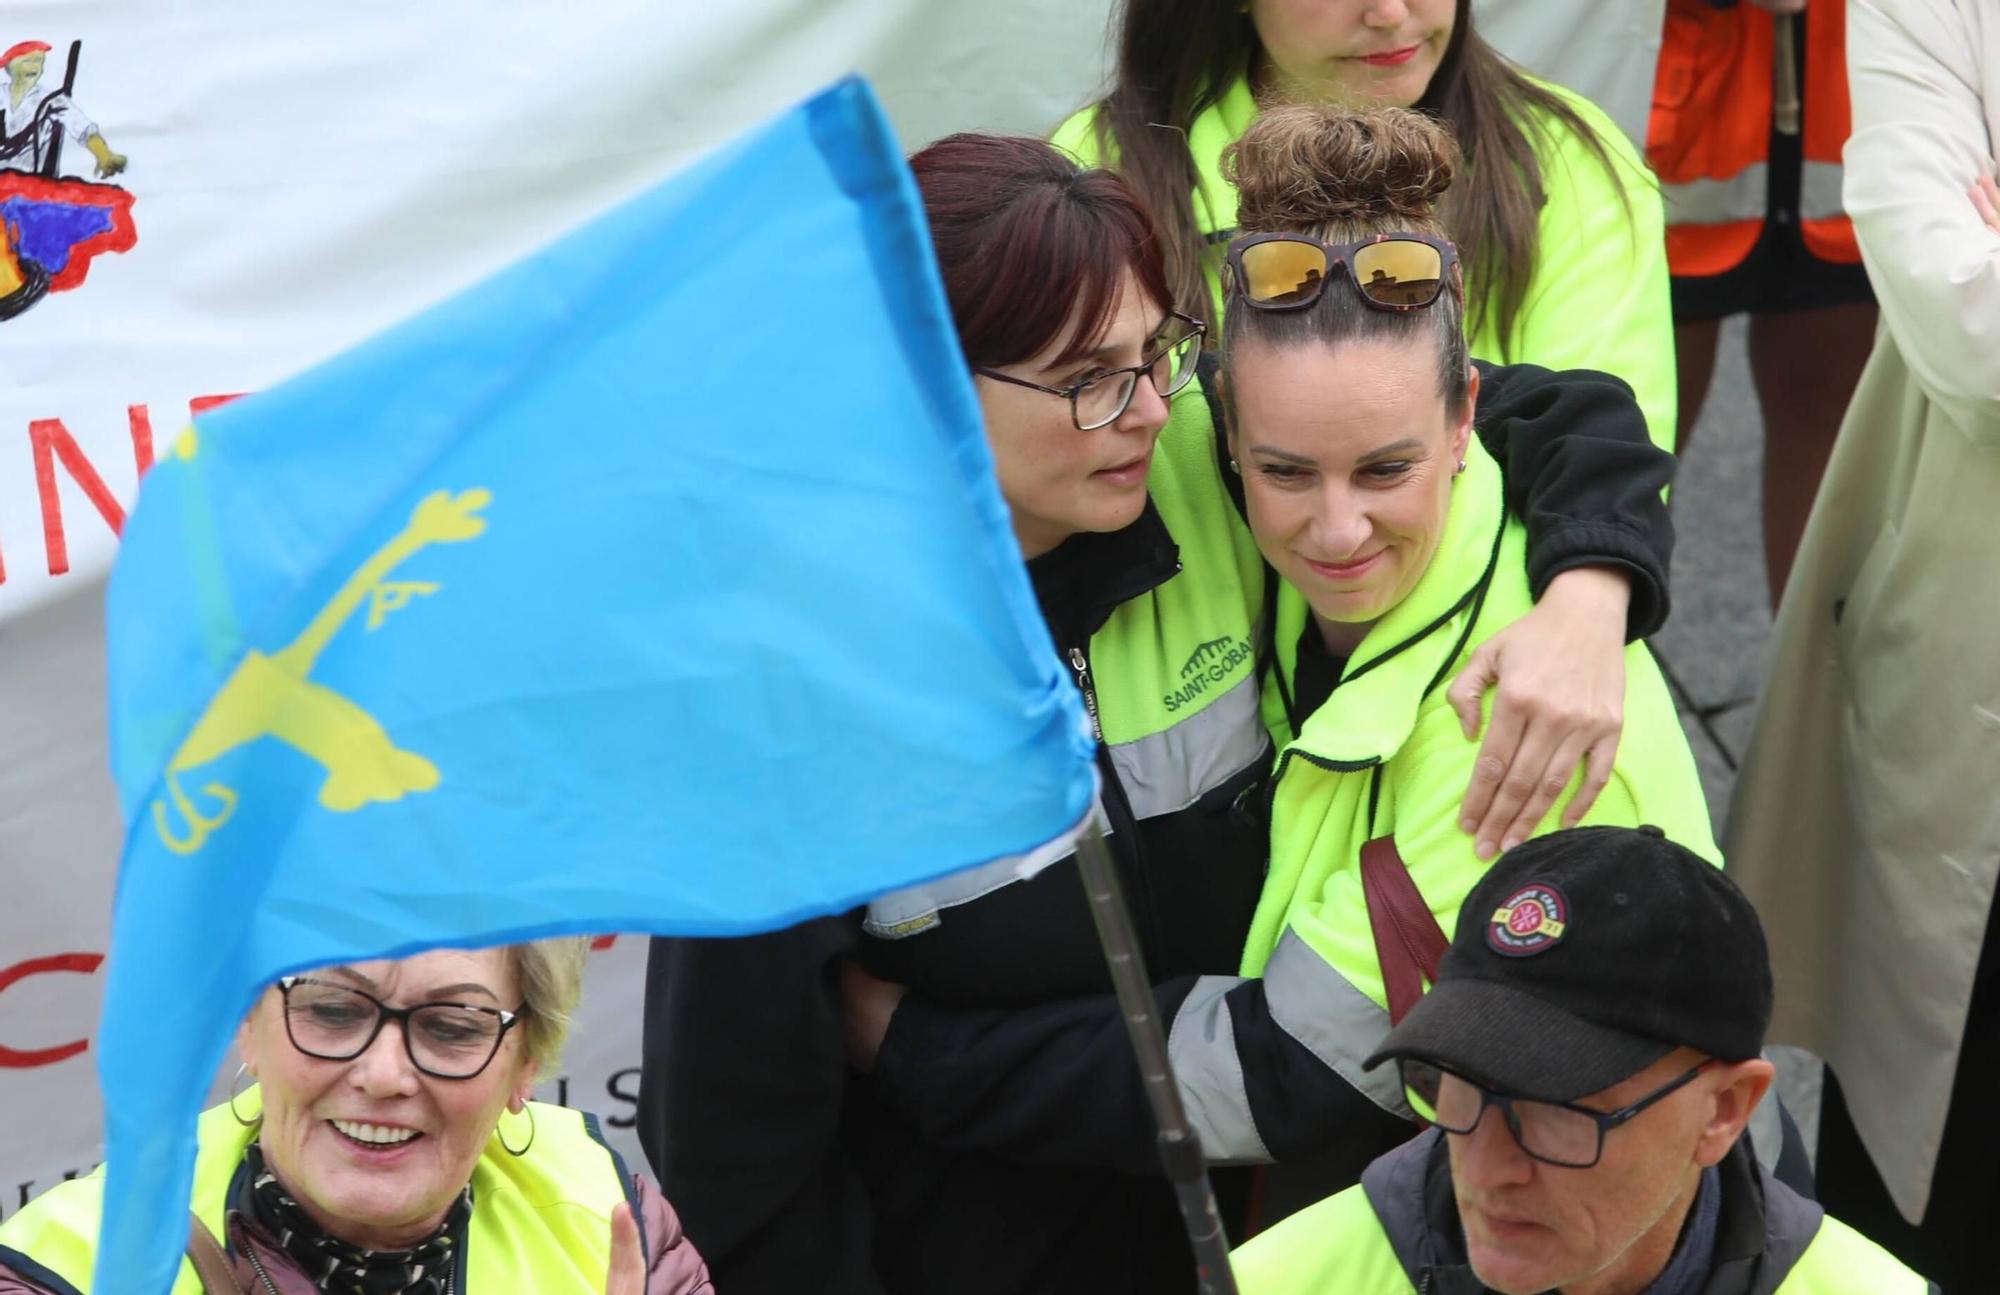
[[1029, 241]]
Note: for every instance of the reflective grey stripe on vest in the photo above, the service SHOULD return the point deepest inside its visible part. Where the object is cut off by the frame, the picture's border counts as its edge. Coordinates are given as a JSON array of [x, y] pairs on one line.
[[1202, 1047], [1165, 772], [1332, 1020], [1161, 773], [1819, 191], [914, 909], [1744, 196]]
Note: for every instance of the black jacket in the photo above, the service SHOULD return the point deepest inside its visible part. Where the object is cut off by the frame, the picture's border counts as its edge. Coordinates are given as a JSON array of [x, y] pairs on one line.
[[794, 1175]]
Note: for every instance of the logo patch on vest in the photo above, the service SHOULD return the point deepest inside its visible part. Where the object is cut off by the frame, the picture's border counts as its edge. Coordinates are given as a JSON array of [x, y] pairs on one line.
[[1210, 664], [1533, 919]]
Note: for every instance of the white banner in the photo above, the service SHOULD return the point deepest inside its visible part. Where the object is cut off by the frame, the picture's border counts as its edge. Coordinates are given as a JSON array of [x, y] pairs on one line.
[[242, 189]]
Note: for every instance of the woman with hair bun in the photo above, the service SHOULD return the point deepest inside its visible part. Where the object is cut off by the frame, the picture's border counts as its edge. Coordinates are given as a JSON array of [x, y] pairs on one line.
[[1348, 402], [1559, 220], [797, 1174]]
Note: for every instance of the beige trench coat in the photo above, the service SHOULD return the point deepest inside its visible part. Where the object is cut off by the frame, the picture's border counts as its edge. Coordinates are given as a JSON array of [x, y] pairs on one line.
[[1866, 823]]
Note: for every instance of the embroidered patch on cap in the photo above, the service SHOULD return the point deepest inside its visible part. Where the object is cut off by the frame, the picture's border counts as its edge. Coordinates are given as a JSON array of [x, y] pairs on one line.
[[1533, 919]]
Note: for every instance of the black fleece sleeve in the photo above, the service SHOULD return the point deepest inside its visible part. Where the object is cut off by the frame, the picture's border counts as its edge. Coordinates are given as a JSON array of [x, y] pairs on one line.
[[1584, 477], [1052, 1084], [1058, 1084], [739, 1109]]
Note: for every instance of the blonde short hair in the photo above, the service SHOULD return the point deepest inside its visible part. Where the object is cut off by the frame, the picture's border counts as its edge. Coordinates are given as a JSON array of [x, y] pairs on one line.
[[550, 974]]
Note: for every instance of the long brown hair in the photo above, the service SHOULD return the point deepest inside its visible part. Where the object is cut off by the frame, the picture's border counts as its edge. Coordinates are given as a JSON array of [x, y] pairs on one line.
[[1176, 58]]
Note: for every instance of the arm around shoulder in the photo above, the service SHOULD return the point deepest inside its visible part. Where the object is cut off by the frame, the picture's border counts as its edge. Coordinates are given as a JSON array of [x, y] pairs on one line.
[[1583, 477], [1653, 780]]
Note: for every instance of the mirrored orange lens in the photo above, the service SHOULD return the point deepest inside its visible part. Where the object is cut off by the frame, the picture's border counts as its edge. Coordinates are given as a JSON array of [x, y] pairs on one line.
[[1283, 272], [1399, 273]]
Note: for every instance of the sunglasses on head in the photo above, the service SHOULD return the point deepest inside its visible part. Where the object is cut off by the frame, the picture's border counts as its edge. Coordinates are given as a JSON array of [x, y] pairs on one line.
[[1390, 271]]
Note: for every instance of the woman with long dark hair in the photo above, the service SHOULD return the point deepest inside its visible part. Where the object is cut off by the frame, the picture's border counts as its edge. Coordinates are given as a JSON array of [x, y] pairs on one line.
[[793, 1171], [1558, 221]]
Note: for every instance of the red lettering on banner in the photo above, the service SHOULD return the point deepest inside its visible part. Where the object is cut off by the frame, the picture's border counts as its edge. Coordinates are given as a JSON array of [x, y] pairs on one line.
[[82, 964], [202, 404], [51, 440], [141, 420], [623, 1087]]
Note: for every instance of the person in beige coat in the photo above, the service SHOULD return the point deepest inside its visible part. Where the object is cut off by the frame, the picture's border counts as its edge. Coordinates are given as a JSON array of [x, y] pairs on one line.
[[1866, 823]]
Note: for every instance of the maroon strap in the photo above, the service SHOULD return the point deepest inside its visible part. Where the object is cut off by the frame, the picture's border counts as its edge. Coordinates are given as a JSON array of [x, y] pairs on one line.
[[211, 1264], [1409, 943]]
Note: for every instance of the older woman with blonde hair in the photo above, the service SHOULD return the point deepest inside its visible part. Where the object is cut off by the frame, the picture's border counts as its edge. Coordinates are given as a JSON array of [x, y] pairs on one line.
[[388, 1146]]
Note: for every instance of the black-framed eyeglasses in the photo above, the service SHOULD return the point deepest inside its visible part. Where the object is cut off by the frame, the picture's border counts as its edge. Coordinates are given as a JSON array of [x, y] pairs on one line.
[[444, 1040], [1555, 1133], [1101, 399], [1403, 271]]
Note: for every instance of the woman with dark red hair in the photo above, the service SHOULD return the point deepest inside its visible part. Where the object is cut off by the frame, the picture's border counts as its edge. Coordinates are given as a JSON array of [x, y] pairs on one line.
[[791, 1170]]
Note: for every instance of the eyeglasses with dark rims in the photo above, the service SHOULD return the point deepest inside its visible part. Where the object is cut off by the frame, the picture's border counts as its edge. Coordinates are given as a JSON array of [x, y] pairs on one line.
[[336, 1022], [1102, 398], [1555, 1133]]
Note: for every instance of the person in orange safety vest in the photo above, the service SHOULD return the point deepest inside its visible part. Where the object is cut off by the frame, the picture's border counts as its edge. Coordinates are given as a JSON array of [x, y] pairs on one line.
[[1749, 117]]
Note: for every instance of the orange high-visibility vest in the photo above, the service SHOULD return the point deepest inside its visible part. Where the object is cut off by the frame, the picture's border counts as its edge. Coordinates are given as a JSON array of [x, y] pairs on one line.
[[1710, 133]]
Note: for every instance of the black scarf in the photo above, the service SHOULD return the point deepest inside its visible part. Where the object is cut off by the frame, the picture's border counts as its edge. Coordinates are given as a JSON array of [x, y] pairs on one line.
[[331, 1264]]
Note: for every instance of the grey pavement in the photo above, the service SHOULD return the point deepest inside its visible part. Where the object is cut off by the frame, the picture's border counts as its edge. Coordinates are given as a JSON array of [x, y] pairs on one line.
[[1713, 646]]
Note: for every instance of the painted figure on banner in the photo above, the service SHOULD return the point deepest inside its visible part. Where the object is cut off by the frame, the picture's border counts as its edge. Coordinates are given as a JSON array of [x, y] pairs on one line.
[[272, 695], [51, 225]]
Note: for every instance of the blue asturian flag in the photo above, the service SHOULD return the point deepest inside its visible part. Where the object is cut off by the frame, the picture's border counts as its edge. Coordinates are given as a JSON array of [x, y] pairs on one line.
[[659, 582]]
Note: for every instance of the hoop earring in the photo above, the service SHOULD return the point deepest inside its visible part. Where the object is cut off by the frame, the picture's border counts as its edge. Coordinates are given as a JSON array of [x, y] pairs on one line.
[[529, 1107], [235, 1092]]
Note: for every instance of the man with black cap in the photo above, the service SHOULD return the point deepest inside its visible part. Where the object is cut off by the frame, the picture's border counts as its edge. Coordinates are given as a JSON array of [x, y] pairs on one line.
[[1590, 1056]]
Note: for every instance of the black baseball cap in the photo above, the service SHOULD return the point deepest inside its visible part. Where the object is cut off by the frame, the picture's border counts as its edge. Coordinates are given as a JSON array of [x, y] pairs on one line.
[[1584, 956]]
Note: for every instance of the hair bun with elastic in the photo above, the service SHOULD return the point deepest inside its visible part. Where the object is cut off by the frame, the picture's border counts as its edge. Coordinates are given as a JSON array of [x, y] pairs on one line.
[[1297, 167]]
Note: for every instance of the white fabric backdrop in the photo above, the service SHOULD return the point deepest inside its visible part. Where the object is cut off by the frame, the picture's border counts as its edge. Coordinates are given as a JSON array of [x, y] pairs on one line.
[[303, 177]]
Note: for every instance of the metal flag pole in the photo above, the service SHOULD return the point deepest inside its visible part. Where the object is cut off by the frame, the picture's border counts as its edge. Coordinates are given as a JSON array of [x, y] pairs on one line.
[[1180, 1151]]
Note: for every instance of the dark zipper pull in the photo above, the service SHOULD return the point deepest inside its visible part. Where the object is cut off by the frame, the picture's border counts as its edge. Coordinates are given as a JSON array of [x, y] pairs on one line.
[[1081, 664]]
